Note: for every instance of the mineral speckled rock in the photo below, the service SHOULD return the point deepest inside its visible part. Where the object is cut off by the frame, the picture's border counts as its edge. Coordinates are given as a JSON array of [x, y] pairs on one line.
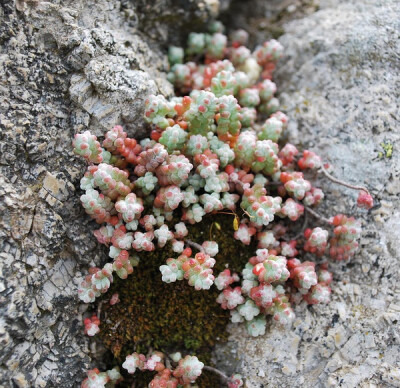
[[339, 83]]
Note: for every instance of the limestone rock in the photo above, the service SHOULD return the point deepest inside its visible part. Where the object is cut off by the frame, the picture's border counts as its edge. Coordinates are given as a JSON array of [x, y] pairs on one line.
[[339, 84]]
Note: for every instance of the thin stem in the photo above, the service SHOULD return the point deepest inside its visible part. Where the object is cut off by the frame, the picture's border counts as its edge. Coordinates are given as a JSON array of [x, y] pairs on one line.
[[340, 182], [168, 362], [238, 182], [115, 327], [223, 376], [274, 183], [316, 215], [99, 309], [301, 232], [195, 245]]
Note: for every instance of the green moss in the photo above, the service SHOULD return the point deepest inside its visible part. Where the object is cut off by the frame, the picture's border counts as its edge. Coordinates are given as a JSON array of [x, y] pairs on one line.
[[387, 149], [172, 317]]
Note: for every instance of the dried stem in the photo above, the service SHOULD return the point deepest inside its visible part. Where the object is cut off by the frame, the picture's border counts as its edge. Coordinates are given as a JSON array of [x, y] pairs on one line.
[[274, 183], [115, 327], [223, 376], [100, 305], [316, 215], [301, 232], [238, 182], [340, 182], [195, 245]]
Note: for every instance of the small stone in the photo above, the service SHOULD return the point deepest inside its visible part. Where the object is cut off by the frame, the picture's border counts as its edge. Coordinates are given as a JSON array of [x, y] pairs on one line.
[[20, 380]]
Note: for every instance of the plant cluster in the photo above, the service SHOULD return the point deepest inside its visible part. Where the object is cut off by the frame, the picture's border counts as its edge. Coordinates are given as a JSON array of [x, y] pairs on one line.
[[213, 149], [172, 371]]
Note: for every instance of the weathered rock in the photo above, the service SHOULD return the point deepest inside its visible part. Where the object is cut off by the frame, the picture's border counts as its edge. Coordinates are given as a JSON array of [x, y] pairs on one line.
[[339, 83], [65, 67]]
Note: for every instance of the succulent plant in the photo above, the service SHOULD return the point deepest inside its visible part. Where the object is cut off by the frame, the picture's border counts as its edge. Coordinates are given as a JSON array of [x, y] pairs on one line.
[[213, 150]]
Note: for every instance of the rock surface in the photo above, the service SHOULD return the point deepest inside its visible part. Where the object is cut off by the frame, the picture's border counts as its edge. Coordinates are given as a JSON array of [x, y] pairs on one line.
[[339, 84], [67, 66]]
